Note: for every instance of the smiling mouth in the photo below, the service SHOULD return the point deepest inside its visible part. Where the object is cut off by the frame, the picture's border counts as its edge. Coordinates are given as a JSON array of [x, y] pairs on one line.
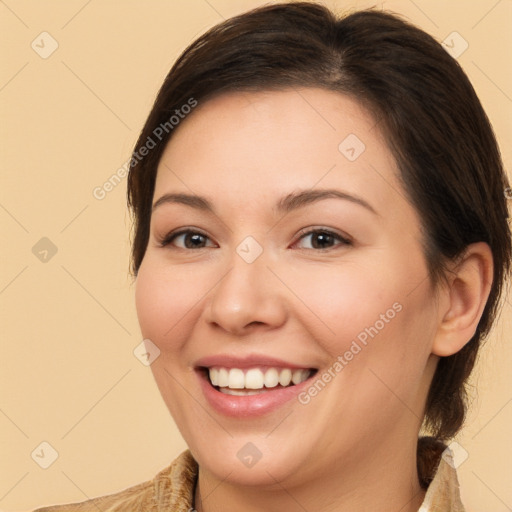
[[255, 381]]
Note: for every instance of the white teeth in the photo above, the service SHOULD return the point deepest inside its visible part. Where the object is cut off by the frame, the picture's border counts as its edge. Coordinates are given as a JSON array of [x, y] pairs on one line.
[[223, 377], [285, 377], [254, 378], [236, 379], [214, 376], [271, 378], [239, 392], [298, 376]]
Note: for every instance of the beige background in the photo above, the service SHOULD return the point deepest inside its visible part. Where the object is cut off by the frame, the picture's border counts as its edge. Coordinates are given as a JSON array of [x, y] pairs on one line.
[[68, 375]]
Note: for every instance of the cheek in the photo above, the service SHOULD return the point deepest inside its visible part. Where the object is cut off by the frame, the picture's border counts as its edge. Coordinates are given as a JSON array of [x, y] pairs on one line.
[[367, 306], [343, 303], [379, 349], [165, 301]]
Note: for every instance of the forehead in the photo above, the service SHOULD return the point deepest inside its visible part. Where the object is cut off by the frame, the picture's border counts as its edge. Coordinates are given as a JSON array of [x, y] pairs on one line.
[[251, 146]]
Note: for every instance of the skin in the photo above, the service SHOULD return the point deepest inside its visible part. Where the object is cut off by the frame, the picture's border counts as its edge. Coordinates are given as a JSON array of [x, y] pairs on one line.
[[353, 446]]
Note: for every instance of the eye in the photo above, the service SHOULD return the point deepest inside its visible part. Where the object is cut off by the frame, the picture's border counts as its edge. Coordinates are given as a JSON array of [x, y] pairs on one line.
[[321, 239], [187, 239]]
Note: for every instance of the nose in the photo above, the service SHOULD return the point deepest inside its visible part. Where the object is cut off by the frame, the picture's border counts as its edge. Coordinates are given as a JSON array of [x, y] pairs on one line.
[[248, 297]]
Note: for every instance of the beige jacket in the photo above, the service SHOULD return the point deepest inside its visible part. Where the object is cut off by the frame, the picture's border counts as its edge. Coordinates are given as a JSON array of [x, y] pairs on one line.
[[173, 490]]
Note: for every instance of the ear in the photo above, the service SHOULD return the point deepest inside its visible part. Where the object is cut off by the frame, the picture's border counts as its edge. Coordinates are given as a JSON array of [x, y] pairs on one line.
[[464, 299]]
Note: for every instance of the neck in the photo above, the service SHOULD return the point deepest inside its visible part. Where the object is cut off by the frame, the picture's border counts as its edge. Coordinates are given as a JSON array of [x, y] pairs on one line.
[[386, 481]]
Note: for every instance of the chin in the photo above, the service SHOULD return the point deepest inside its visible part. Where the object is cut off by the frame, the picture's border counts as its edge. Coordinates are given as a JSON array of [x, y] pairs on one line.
[[248, 460]]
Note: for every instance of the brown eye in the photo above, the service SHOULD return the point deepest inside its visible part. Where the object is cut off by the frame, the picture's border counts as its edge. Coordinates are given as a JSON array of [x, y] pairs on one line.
[[188, 240], [321, 239]]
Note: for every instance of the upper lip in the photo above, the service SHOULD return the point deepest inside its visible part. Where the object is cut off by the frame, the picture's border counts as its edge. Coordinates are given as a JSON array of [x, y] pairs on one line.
[[249, 361]]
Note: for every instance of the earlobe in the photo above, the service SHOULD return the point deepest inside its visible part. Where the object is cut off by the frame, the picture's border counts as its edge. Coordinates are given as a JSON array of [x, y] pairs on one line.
[[467, 292]]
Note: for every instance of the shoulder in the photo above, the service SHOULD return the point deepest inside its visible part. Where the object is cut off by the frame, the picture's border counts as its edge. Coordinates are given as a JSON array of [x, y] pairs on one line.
[[443, 493], [171, 489]]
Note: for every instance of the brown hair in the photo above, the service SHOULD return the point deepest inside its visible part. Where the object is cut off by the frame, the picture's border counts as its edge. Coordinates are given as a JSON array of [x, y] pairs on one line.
[[449, 161]]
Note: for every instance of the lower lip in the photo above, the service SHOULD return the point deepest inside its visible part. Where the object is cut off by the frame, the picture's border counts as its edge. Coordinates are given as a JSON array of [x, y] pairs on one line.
[[248, 405]]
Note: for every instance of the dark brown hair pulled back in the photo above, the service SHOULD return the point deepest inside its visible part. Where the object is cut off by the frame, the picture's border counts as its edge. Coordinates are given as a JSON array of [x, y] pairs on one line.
[[426, 108]]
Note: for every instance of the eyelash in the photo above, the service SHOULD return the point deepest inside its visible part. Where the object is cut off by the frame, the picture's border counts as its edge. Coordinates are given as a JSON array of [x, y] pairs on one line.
[[168, 239], [343, 241]]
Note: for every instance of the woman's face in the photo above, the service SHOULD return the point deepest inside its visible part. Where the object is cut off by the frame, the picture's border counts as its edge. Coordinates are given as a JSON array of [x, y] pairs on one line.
[[282, 246]]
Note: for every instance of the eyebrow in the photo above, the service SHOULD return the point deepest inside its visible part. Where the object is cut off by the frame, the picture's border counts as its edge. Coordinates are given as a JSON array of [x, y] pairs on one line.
[[192, 200], [288, 203], [302, 198]]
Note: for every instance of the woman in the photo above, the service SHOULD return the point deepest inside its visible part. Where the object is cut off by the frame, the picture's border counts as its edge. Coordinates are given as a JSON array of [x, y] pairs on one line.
[[320, 246]]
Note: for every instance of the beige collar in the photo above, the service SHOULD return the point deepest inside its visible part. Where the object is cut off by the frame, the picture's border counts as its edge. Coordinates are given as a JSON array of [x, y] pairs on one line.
[[442, 494]]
